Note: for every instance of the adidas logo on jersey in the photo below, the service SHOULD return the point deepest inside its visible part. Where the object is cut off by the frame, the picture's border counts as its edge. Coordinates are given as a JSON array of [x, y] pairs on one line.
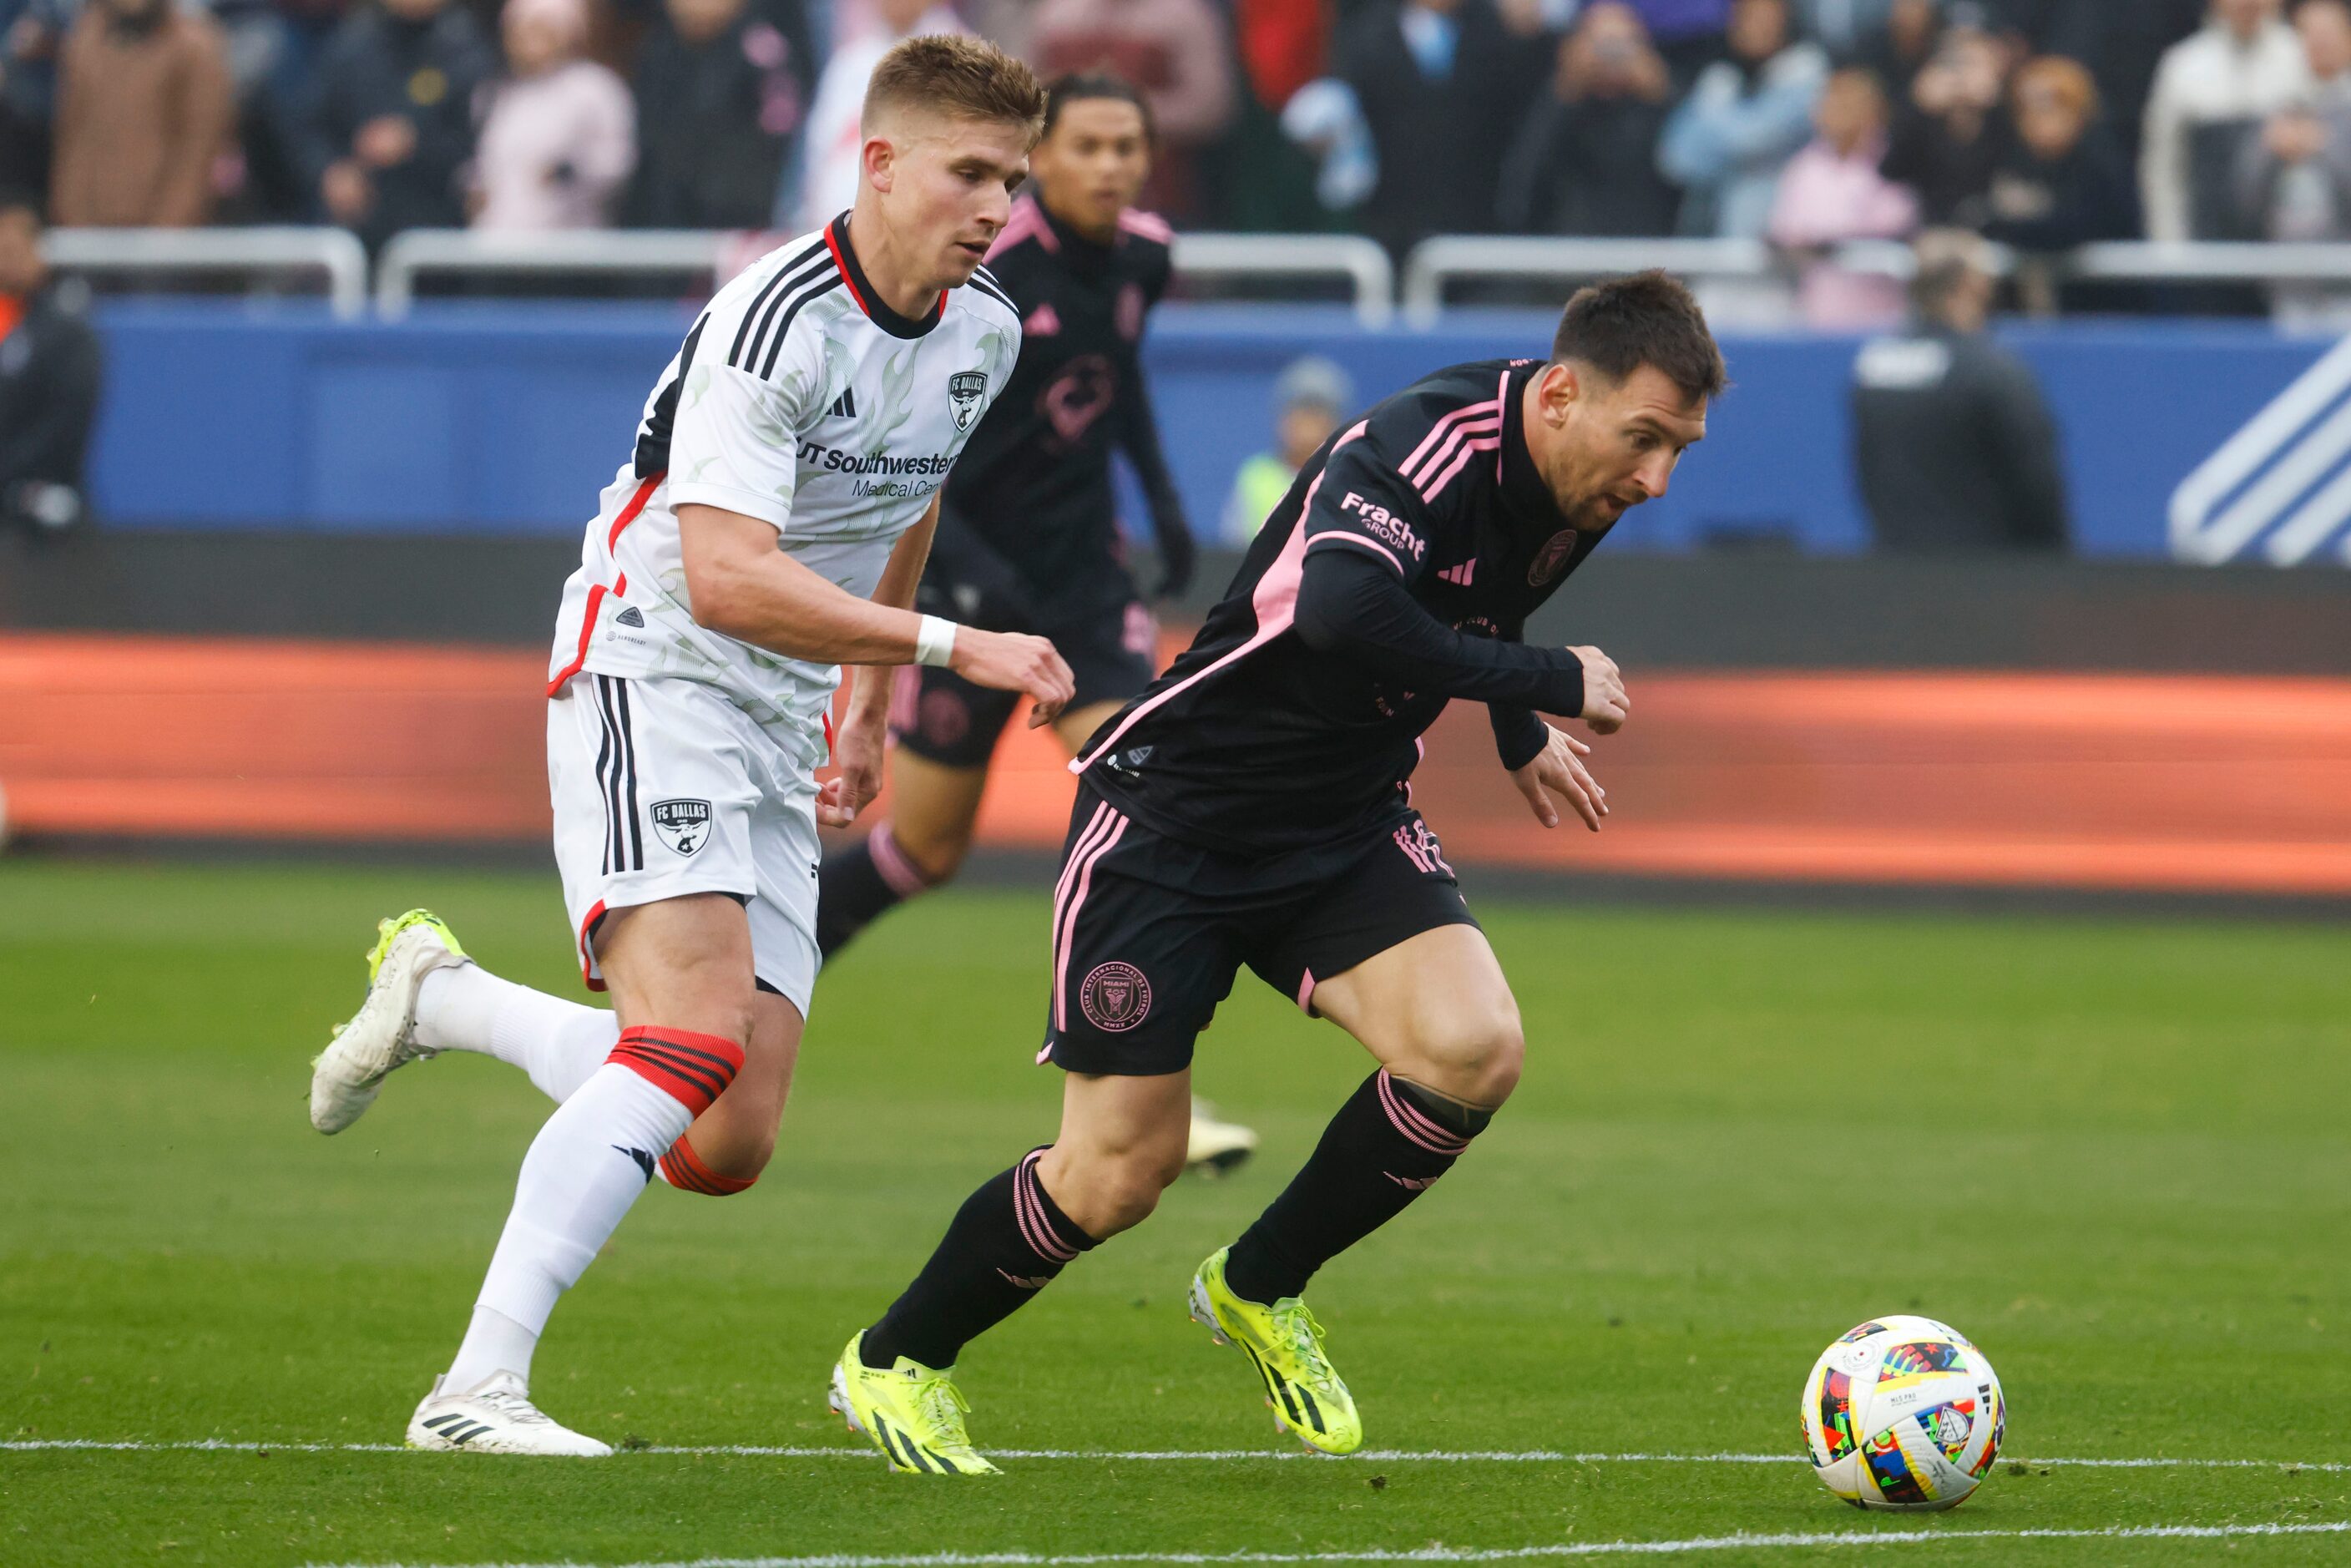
[[844, 406], [632, 616], [1043, 321]]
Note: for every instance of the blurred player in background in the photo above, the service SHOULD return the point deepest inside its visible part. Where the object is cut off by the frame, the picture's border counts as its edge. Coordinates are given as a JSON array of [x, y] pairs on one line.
[[1253, 808], [771, 526], [1027, 535]]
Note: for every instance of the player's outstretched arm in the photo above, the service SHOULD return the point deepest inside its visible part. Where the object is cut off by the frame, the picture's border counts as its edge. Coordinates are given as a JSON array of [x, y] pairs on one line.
[[741, 586], [858, 746], [1351, 604]]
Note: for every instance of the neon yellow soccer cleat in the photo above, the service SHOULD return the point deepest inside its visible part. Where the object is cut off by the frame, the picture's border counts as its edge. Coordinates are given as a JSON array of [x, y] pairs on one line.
[[914, 1415], [345, 1077], [1285, 1344]]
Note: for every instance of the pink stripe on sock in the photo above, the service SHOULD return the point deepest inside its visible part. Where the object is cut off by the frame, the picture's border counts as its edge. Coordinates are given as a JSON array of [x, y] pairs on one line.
[[1029, 1206], [904, 877], [1415, 1126]]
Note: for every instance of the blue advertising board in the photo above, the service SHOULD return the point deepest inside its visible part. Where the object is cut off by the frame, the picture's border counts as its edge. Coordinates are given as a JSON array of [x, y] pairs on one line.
[[509, 417]]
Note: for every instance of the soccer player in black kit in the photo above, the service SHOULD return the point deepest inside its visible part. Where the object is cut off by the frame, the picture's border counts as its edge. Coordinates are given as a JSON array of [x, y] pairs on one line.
[[1028, 537], [1253, 808]]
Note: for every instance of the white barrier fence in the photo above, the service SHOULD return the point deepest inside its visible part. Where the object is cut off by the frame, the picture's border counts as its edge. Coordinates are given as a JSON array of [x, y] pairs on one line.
[[1434, 266]]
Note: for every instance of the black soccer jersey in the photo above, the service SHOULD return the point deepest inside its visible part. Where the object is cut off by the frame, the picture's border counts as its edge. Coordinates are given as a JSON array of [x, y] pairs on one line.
[[1034, 483], [1253, 739]]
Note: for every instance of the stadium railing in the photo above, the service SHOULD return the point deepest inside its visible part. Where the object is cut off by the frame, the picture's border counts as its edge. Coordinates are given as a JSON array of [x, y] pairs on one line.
[[329, 252], [1433, 267], [1360, 263]]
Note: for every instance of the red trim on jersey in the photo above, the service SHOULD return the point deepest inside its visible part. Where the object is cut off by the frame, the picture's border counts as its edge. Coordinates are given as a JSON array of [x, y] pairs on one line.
[[832, 244], [586, 958], [596, 593], [636, 504]]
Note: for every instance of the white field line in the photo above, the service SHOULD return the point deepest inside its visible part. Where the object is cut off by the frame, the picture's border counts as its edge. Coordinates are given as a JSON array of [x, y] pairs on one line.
[[1151, 1456], [1810, 1540]]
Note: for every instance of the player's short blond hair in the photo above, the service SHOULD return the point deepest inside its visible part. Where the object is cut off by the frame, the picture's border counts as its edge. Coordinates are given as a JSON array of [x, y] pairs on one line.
[[968, 78]]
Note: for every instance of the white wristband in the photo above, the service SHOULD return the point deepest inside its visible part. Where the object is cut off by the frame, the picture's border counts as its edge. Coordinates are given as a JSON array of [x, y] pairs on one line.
[[934, 641]]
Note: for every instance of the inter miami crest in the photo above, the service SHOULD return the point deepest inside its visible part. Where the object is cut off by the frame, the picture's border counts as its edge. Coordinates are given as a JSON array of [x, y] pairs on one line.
[[683, 825], [964, 388], [1114, 998]]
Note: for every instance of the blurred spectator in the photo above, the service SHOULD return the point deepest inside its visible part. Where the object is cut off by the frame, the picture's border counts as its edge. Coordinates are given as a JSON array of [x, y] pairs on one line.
[[2121, 44], [49, 373], [1950, 137], [1852, 31], [1832, 192], [1954, 444], [31, 31], [390, 119], [1585, 162], [1443, 85], [1177, 51], [833, 143], [717, 103], [2293, 179], [2064, 180], [1687, 33], [1261, 179], [1899, 50], [143, 114], [559, 136], [1309, 400], [1743, 119], [2244, 66]]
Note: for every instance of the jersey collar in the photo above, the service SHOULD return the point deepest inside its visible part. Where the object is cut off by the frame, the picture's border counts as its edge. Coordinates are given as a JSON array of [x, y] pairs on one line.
[[1525, 497], [869, 299]]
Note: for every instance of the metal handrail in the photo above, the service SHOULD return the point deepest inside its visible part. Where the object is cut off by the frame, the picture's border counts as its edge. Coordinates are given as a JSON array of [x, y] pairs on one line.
[[625, 251], [610, 252], [330, 251], [1436, 261], [2209, 261], [1352, 256]]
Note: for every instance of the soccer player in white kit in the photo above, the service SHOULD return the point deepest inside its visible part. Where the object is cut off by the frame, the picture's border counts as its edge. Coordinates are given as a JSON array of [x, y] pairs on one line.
[[771, 525]]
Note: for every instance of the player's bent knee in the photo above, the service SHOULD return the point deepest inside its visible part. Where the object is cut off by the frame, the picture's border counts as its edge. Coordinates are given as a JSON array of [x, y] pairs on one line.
[[1103, 1196], [1475, 1061]]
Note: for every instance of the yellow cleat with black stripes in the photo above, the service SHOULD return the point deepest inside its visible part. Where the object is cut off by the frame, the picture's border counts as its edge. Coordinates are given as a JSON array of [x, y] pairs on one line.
[[1285, 1344], [913, 1414]]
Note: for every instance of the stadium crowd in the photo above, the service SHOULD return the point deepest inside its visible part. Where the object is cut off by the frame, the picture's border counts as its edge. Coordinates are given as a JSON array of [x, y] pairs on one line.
[[2042, 123]]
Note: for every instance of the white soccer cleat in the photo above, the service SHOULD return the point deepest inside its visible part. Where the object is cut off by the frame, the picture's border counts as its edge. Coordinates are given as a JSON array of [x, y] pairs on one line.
[[345, 1077], [1216, 1147], [495, 1417]]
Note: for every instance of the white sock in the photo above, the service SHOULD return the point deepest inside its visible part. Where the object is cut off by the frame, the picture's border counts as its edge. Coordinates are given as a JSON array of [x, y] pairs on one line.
[[494, 1343], [558, 1042], [584, 1169]]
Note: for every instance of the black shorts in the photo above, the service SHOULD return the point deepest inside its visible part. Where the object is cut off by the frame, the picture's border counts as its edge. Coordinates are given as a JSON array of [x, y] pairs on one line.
[[940, 716], [1149, 931]]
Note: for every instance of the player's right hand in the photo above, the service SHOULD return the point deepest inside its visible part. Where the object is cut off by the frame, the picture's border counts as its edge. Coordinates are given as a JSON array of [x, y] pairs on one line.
[[1014, 662], [1606, 705]]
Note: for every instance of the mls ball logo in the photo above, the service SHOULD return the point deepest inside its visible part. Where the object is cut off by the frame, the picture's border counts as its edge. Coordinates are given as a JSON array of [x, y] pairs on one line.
[[1115, 998], [964, 388], [683, 825]]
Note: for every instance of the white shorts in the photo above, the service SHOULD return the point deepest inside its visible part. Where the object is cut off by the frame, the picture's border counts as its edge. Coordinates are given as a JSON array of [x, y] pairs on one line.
[[663, 788]]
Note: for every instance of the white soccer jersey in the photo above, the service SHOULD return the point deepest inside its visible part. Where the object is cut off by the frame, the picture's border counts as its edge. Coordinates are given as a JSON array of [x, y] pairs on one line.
[[802, 399]]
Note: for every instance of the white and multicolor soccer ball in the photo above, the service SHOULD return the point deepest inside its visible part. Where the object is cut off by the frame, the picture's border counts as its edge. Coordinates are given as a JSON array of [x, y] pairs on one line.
[[1903, 1413]]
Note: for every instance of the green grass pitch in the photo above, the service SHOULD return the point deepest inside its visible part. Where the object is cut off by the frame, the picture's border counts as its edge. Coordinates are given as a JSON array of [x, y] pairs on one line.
[[2113, 1153]]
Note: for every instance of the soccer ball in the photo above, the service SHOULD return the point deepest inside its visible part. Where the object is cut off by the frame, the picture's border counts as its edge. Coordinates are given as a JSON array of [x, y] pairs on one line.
[[1903, 1413]]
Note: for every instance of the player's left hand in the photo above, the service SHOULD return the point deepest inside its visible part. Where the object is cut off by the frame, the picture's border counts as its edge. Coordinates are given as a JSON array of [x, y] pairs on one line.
[[1558, 770], [857, 754], [1178, 558]]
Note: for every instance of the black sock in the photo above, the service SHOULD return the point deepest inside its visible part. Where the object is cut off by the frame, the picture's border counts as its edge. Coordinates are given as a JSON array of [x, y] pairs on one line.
[[1007, 1242], [859, 883], [1388, 1143]]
